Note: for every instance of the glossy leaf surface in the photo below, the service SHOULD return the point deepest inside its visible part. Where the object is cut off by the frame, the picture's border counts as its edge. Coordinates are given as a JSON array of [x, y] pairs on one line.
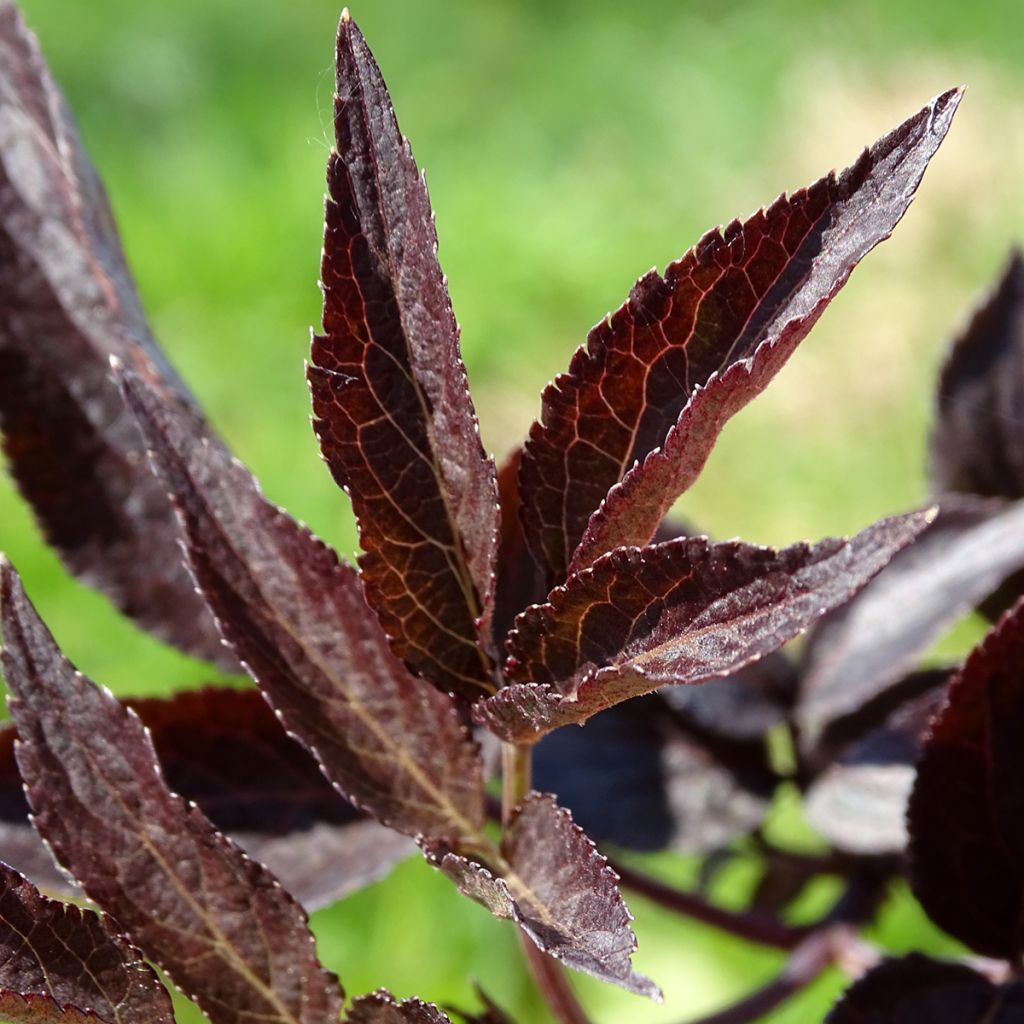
[[550, 879], [67, 303], [217, 922], [966, 814], [299, 622], [681, 612], [393, 412]]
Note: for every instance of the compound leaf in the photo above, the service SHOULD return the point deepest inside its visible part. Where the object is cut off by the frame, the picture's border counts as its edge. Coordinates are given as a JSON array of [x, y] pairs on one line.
[[217, 922], [393, 412]]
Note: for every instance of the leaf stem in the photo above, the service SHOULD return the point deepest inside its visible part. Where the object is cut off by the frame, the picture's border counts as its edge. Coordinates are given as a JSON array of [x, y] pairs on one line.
[[516, 765], [553, 984]]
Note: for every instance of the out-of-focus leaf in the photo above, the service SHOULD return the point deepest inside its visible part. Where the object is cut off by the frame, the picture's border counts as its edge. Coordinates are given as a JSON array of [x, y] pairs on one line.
[[681, 612], [217, 922], [636, 777], [862, 648], [916, 990], [75, 958], [393, 412], [658, 379], [966, 814], [976, 444], [67, 303], [492, 1013], [42, 1009], [860, 803], [298, 620], [225, 750], [382, 1008], [550, 879]]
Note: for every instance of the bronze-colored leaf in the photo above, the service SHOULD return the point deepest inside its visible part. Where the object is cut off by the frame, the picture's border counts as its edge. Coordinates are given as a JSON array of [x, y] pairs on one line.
[[42, 1009], [381, 1007]]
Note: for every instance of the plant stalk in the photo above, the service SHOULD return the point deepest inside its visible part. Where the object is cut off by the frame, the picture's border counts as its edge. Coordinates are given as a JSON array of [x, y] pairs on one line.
[[515, 777]]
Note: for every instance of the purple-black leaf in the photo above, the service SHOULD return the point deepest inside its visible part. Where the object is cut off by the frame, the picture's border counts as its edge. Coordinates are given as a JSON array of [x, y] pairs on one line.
[[298, 620], [916, 990], [217, 922], [966, 814], [67, 303], [862, 648], [659, 378], [382, 1008], [681, 612], [67, 963], [393, 412], [550, 879]]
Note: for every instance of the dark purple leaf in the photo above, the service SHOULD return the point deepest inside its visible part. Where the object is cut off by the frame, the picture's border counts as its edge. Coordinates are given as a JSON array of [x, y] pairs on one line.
[[492, 1013], [976, 444], [966, 814], [393, 412], [860, 803], [550, 879], [75, 958], [636, 777], [681, 612], [217, 922], [864, 647], [659, 378], [382, 1008], [67, 303], [916, 990], [299, 622]]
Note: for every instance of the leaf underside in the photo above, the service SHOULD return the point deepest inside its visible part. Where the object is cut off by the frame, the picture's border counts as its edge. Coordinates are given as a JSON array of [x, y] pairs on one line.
[[629, 427], [680, 612], [392, 408], [217, 922], [67, 303]]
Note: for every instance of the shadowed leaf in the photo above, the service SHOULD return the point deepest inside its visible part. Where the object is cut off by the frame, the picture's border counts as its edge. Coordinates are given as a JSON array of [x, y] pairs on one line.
[[299, 622], [862, 648], [916, 990], [382, 1008], [67, 303], [660, 377], [74, 957], [966, 815], [393, 412], [681, 612], [550, 879], [217, 922]]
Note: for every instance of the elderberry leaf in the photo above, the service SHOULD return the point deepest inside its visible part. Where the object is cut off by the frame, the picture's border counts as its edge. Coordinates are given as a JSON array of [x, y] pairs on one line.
[[68, 303], [659, 378], [63, 964], [550, 879], [681, 612], [298, 620], [392, 408], [966, 813], [217, 922]]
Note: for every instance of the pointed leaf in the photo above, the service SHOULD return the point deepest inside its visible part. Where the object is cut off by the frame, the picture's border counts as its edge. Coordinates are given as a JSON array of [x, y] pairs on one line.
[[681, 612], [217, 922], [659, 378], [393, 412], [976, 444], [636, 777], [859, 650], [382, 1008], [74, 957], [916, 990], [966, 815], [298, 620], [551, 880], [67, 303]]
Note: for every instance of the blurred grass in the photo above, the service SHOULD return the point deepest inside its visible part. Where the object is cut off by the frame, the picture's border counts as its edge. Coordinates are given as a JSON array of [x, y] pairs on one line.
[[569, 147]]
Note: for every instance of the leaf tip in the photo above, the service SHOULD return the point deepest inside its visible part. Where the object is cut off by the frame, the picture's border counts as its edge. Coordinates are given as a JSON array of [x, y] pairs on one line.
[[346, 17]]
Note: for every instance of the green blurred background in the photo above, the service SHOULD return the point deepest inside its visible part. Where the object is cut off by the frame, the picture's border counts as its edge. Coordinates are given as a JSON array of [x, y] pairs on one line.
[[569, 147]]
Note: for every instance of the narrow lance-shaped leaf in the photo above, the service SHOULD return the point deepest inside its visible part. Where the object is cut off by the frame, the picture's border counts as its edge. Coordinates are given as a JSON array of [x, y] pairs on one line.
[[966, 814], [217, 922], [67, 303], [225, 750], [298, 620], [393, 412], [659, 379], [63, 965], [549, 878], [681, 612]]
